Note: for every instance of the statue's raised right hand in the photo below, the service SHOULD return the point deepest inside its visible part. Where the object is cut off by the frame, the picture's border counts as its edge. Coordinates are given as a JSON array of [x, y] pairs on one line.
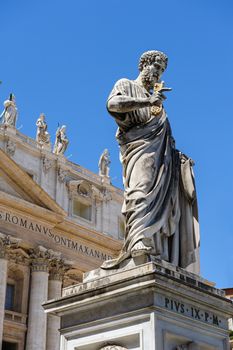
[[156, 99]]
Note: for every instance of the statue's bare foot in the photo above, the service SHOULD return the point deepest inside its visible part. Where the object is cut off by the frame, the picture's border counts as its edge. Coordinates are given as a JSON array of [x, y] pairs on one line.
[[140, 249]]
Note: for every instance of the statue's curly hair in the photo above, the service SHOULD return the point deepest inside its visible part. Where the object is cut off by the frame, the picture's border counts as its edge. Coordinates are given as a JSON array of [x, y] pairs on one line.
[[150, 57]]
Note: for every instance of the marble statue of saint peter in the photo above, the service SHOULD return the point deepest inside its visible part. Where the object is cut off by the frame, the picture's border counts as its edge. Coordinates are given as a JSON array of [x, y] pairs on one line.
[[160, 207]]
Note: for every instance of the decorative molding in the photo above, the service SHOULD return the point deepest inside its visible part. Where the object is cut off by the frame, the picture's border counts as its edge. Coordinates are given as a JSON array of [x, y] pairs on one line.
[[88, 191], [40, 258], [19, 256], [61, 173], [97, 194], [69, 280], [84, 189], [47, 164], [73, 185], [107, 196], [81, 189], [101, 196], [10, 147], [6, 244], [58, 268]]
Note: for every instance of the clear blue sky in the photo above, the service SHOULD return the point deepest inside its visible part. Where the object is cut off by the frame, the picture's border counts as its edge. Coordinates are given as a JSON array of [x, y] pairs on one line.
[[63, 57]]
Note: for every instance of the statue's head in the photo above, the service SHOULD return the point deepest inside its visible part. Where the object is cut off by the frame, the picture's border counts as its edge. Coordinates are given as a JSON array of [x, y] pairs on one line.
[[63, 128], [42, 116], [152, 64]]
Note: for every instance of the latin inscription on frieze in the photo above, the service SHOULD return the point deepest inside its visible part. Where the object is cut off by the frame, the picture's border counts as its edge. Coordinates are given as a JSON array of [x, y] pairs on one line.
[[55, 237], [192, 312]]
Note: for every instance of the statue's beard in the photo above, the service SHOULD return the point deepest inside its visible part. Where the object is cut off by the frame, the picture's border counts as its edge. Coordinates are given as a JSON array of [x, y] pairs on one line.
[[148, 80]]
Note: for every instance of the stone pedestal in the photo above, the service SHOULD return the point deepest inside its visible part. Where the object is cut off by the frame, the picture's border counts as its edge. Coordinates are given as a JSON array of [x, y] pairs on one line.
[[150, 306]]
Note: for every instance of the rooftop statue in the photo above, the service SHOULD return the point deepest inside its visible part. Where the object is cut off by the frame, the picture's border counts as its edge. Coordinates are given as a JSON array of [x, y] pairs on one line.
[[42, 135], [104, 163], [61, 141], [9, 115], [160, 206]]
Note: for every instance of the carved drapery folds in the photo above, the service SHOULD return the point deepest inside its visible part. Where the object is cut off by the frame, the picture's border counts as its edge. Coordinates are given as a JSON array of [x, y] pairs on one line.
[[104, 163], [9, 115], [42, 135]]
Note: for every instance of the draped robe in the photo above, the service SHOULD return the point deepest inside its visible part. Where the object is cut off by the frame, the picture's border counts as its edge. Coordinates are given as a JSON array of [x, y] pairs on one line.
[[160, 207], [9, 115]]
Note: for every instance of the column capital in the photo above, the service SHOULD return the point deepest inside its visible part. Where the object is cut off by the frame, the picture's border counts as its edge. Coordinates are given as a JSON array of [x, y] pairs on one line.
[[6, 244], [40, 258], [58, 268]]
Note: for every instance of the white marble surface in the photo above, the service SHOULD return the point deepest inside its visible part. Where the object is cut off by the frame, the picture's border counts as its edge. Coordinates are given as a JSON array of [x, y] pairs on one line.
[[149, 306]]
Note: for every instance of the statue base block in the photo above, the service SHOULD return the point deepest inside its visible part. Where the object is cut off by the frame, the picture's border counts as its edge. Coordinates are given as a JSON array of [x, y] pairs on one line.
[[143, 305], [9, 129]]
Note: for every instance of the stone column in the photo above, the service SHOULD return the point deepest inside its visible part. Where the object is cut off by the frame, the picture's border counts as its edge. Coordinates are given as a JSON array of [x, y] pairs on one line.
[[5, 245], [3, 283], [37, 319], [57, 270]]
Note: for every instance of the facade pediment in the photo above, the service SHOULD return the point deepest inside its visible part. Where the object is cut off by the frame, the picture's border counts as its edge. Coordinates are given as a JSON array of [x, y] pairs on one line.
[[15, 182], [8, 187]]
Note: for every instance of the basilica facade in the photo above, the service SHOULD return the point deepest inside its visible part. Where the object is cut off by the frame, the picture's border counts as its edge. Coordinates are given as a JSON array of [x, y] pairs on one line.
[[57, 221]]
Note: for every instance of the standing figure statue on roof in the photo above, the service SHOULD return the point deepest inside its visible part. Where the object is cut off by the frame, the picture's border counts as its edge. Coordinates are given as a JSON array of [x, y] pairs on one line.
[[42, 135], [104, 163], [61, 141], [9, 115], [160, 206]]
